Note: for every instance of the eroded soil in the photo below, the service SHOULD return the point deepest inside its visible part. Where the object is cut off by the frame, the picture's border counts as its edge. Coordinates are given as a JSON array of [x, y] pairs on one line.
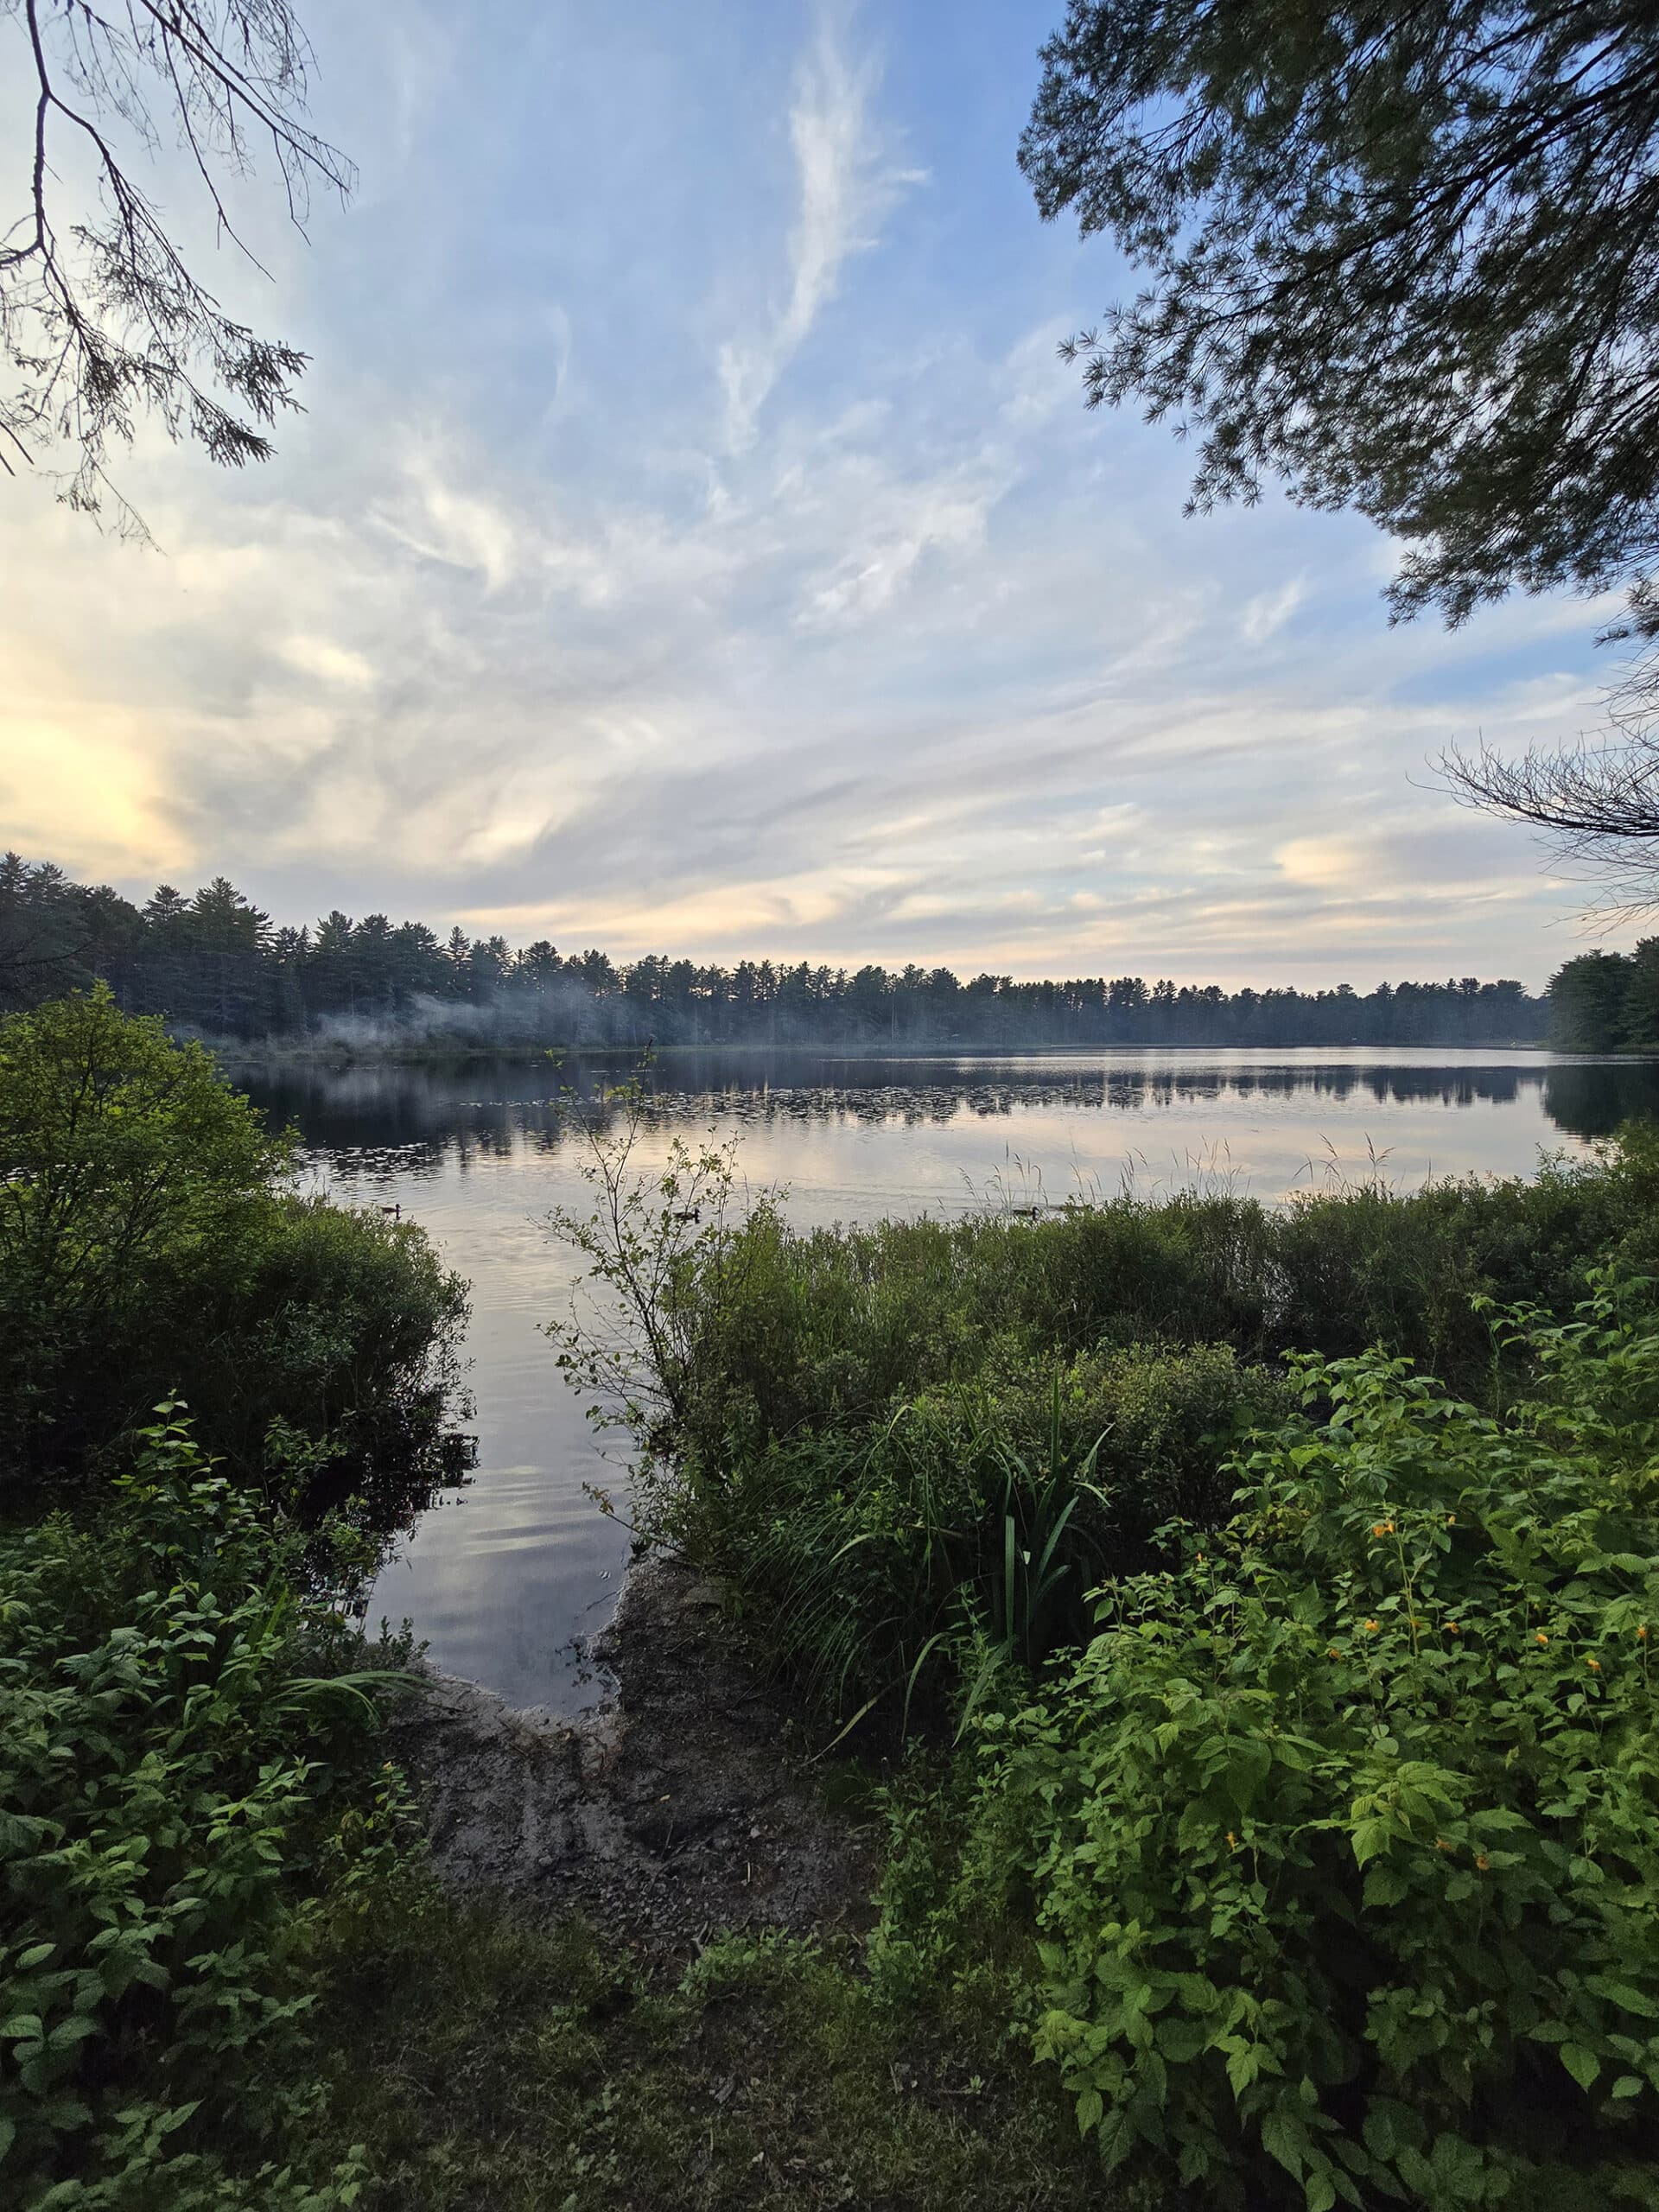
[[682, 1808]]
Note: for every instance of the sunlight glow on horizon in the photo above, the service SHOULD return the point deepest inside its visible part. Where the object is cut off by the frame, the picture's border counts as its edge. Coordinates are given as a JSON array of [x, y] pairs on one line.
[[710, 556]]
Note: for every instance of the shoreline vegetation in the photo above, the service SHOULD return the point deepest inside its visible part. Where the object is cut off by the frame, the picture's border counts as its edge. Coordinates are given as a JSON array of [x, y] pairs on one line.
[[1262, 1599], [1227, 1627], [237, 1052]]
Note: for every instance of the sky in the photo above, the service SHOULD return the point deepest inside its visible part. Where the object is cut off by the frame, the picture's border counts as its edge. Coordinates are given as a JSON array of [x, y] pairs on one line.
[[693, 543]]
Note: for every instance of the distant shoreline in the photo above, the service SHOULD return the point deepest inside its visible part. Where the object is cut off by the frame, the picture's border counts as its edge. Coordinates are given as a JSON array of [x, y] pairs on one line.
[[336, 1054]]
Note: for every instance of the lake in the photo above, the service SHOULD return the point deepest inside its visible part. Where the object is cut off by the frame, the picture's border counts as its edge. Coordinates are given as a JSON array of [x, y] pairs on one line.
[[507, 1577]]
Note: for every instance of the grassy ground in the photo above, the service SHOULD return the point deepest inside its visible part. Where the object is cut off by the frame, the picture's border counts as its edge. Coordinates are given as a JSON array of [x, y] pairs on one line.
[[485, 2059]]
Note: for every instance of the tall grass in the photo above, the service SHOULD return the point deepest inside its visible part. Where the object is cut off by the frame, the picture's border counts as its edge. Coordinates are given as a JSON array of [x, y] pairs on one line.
[[870, 1557]]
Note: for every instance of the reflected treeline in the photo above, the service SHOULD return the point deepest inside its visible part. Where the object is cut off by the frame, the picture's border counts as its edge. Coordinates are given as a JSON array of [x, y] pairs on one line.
[[1591, 1098], [395, 1119]]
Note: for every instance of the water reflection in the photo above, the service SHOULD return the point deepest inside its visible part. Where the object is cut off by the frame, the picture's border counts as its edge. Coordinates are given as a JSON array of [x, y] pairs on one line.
[[507, 1577], [494, 1105], [1590, 1098]]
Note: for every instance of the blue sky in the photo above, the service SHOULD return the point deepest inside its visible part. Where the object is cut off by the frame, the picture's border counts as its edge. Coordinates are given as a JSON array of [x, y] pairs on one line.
[[693, 543]]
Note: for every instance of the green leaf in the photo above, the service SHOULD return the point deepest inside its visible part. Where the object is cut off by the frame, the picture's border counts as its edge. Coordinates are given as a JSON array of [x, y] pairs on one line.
[[1117, 2136], [1286, 2140], [67, 2113], [1385, 1886], [1090, 2105], [1243, 2064], [1249, 1768], [1583, 2065], [1180, 2041], [1370, 1837], [1622, 1994]]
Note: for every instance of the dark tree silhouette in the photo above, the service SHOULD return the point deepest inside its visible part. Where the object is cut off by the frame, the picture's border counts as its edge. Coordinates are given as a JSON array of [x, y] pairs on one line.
[[102, 320], [1406, 258], [213, 963]]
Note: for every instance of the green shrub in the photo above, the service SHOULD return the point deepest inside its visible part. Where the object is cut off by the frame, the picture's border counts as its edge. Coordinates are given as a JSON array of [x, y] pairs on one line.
[[870, 1556], [338, 1325], [1341, 1842], [184, 1772], [782, 1330], [1159, 1421], [126, 1164], [148, 1244]]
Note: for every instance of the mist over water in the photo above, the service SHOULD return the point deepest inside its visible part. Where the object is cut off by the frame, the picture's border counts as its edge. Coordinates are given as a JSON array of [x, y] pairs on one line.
[[507, 1577]]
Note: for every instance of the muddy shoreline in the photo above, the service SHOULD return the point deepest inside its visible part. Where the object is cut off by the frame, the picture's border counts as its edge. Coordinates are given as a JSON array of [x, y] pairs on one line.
[[685, 1805]]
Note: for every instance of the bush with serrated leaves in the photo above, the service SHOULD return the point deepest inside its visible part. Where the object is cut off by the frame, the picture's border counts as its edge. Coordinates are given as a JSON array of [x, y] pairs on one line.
[[186, 1775], [1341, 1842]]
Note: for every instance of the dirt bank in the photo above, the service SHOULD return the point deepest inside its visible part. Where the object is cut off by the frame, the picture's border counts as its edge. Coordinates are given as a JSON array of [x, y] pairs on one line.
[[680, 1809]]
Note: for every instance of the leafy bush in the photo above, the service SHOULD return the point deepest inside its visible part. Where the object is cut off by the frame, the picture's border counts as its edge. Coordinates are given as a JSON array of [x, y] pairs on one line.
[[337, 1324], [870, 1556], [783, 1329], [1341, 1843], [184, 1772], [1160, 1423], [149, 1242]]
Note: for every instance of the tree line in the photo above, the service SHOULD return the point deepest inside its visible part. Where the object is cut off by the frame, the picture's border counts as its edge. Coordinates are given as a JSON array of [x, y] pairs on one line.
[[1608, 1002], [213, 962]]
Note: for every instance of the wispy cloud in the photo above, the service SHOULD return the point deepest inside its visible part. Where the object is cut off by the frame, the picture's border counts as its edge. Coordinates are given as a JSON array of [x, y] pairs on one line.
[[892, 529], [922, 665], [1268, 612], [847, 183]]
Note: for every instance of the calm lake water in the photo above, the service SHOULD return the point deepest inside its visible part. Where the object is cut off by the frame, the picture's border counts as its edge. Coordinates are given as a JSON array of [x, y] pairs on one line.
[[508, 1576]]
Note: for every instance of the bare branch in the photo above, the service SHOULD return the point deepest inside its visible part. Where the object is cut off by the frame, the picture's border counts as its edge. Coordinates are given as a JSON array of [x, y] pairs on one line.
[[1596, 800], [104, 322]]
